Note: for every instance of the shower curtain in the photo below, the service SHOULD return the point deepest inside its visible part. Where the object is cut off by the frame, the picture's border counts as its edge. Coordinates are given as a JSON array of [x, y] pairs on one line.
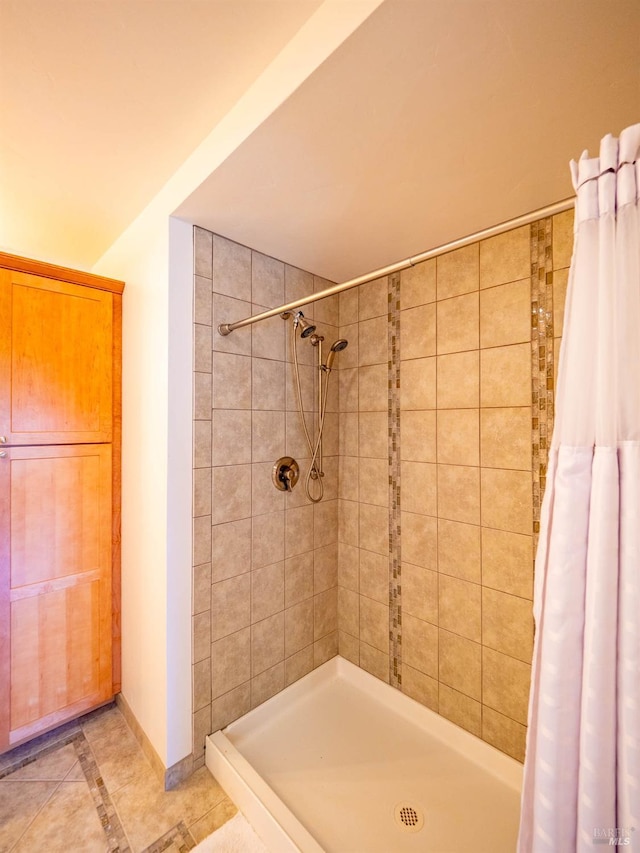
[[582, 768]]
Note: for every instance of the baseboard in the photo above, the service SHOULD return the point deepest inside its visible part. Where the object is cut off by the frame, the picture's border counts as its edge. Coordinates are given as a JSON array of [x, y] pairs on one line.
[[168, 776]]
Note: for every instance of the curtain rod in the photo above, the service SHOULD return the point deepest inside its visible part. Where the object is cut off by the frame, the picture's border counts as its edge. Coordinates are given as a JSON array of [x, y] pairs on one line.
[[525, 219]]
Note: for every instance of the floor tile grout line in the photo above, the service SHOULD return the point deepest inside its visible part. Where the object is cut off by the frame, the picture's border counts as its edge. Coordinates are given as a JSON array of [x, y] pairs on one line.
[[36, 815]]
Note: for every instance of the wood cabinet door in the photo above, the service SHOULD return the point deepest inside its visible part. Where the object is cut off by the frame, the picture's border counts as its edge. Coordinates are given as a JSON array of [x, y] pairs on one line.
[[55, 586], [56, 372]]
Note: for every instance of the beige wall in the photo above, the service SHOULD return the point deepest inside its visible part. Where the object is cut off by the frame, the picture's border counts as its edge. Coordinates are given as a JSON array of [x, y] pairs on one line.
[[465, 479], [265, 562]]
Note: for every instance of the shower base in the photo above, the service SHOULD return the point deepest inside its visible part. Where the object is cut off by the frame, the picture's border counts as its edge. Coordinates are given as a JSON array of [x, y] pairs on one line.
[[340, 761]]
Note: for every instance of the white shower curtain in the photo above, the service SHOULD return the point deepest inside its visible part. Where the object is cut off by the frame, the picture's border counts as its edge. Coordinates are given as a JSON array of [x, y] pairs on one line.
[[582, 768]]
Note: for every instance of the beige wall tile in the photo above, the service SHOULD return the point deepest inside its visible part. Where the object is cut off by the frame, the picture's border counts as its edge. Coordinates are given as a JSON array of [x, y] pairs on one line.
[[458, 323], [298, 525], [349, 647], [374, 623], [267, 643], [460, 664], [267, 591], [459, 550], [418, 332], [373, 393], [231, 493], [297, 284], [507, 562], [374, 576], [202, 444], [202, 539], [226, 310], [503, 733], [267, 684], [228, 707], [348, 477], [458, 381], [201, 636], [298, 665], [267, 436], [562, 225], [325, 613], [348, 522], [231, 268], [267, 281], [268, 337], [202, 348], [264, 496], [560, 284], [230, 549], [505, 376], [203, 252], [372, 339], [325, 523], [298, 579], [458, 440], [348, 612], [420, 687], [507, 502], [373, 434], [374, 661], [372, 299], [325, 648], [230, 606], [201, 684], [327, 310], [461, 710], [202, 301], [505, 257], [505, 314], [460, 608], [458, 271], [201, 729], [268, 384], [348, 443], [298, 627], [418, 430], [419, 592], [348, 306], [459, 493], [420, 645], [418, 384], [267, 539], [230, 662], [306, 374], [507, 624], [201, 588], [231, 381], [201, 492], [231, 436], [348, 566], [348, 390], [325, 567], [505, 684], [419, 540], [419, 487], [374, 481], [374, 528], [350, 357], [418, 284], [202, 396], [505, 438]]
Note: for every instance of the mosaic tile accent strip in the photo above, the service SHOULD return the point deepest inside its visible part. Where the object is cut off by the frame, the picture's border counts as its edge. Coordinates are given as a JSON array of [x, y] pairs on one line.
[[102, 801], [178, 838], [542, 387], [395, 580]]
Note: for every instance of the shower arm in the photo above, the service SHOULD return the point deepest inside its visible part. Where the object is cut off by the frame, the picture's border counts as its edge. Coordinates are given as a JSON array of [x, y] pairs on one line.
[[526, 219]]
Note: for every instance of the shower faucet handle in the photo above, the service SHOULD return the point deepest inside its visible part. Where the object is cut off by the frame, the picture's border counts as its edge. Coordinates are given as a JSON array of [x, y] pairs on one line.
[[285, 473]]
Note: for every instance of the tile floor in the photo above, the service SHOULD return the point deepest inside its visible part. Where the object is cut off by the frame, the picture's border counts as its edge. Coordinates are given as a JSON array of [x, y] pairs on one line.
[[88, 787]]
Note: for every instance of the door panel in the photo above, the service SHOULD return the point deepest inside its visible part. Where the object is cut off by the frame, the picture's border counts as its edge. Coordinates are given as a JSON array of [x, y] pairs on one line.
[[55, 584], [56, 383]]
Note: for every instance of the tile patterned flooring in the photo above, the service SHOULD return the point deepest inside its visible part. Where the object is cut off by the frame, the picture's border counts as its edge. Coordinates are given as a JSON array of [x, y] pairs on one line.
[[88, 787]]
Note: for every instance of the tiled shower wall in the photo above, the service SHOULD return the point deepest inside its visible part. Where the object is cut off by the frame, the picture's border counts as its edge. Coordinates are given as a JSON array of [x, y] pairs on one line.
[[446, 406], [265, 562]]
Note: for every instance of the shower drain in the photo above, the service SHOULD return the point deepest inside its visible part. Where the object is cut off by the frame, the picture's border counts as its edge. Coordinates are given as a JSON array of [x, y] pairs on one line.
[[409, 817]]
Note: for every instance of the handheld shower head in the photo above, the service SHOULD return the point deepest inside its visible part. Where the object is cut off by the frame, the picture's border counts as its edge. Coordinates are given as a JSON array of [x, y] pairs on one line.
[[338, 346]]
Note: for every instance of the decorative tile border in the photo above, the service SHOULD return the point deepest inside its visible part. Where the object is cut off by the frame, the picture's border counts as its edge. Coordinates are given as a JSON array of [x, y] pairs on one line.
[[542, 372], [395, 580], [177, 838]]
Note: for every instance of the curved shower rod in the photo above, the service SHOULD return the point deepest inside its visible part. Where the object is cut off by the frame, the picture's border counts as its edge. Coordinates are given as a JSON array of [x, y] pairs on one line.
[[525, 219]]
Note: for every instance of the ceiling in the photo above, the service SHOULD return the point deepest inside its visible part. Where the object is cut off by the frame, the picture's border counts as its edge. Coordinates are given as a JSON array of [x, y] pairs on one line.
[[434, 119]]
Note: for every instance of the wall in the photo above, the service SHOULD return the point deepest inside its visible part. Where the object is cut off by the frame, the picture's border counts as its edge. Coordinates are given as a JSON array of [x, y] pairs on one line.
[[265, 562], [446, 405]]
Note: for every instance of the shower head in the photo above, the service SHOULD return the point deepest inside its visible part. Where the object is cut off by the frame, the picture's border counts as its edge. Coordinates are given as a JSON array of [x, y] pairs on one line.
[[306, 327], [338, 346]]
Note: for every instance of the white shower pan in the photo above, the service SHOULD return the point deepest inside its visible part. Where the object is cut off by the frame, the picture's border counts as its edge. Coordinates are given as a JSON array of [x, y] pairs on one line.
[[342, 763]]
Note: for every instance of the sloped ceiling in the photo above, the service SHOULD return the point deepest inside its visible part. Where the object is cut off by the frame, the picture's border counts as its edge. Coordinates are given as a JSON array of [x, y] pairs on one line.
[[432, 121]]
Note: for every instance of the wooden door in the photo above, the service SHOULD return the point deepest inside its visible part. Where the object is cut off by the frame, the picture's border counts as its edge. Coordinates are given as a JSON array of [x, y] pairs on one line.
[[56, 371], [55, 586]]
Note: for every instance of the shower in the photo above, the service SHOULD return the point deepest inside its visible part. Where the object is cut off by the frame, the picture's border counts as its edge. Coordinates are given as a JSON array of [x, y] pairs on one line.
[[308, 332]]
